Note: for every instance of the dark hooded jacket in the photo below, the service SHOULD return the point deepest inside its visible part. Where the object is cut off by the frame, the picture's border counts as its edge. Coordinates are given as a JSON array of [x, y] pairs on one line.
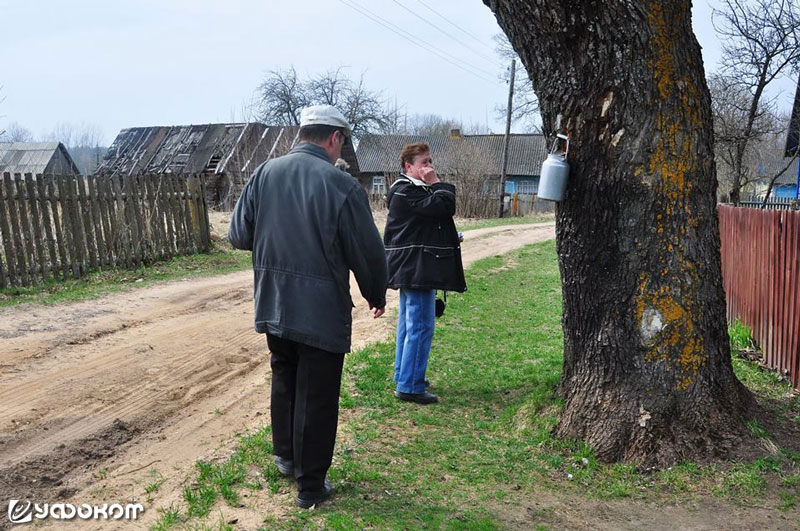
[[308, 224], [422, 247]]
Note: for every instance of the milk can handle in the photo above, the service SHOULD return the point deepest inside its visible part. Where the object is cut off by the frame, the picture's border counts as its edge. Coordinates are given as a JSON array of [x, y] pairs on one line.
[[559, 136]]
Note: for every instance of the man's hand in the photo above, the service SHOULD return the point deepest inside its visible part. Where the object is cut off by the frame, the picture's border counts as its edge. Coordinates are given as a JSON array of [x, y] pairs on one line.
[[377, 312], [428, 175]]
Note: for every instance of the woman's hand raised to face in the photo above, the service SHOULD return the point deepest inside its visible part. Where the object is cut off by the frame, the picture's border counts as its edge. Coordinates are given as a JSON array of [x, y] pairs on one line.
[[428, 175]]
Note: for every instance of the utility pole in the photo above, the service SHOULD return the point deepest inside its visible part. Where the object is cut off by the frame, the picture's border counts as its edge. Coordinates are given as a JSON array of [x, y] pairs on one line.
[[507, 138]]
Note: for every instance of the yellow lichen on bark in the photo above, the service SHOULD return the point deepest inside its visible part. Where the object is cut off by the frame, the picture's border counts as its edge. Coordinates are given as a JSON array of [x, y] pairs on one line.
[[663, 64], [670, 293], [676, 343]]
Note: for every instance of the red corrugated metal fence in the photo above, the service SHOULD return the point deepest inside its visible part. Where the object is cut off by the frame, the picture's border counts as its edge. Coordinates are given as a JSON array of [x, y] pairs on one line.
[[761, 274]]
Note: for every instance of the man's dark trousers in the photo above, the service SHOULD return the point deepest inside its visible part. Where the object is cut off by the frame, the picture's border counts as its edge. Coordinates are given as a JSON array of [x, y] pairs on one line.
[[305, 408]]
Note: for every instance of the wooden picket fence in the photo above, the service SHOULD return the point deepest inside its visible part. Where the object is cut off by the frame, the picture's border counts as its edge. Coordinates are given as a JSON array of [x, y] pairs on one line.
[[774, 203], [61, 227], [528, 205], [761, 275]]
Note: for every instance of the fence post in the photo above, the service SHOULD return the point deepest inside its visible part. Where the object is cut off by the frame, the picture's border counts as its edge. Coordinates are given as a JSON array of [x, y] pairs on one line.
[[204, 204], [5, 230], [59, 222], [87, 222], [103, 202], [15, 228], [132, 212], [52, 263], [25, 227], [121, 224], [83, 253], [163, 195], [38, 236], [180, 219], [186, 205], [100, 243]]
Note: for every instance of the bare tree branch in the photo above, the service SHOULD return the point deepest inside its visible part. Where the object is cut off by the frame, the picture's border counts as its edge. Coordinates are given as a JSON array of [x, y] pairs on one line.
[[282, 95], [526, 106], [761, 42], [776, 177]]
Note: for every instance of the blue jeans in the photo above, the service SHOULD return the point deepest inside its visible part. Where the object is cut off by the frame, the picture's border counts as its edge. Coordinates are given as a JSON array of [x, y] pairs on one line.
[[415, 322]]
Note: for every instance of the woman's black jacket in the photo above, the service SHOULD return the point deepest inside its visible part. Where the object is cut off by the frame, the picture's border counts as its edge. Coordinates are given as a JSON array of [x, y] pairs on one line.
[[422, 247]]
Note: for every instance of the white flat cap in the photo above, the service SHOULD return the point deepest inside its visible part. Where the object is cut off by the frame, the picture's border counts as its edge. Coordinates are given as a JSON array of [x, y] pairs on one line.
[[324, 115]]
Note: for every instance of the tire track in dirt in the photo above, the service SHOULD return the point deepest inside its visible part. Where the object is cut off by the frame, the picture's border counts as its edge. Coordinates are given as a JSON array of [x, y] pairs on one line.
[[135, 371], [197, 380]]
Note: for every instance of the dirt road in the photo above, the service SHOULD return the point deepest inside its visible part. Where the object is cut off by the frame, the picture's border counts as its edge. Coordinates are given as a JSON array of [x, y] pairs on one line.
[[154, 378]]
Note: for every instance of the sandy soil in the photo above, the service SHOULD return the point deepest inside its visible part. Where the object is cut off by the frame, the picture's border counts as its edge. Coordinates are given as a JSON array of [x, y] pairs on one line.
[[99, 398]]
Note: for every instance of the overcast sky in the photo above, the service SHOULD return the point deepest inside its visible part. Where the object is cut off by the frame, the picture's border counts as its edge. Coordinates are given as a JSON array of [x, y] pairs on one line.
[[117, 64]]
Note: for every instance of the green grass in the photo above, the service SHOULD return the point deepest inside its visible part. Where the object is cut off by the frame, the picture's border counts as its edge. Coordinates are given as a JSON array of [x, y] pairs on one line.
[[487, 447], [170, 517], [222, 259], [223, 480], [741, 336], [156, 480], [469, 224]]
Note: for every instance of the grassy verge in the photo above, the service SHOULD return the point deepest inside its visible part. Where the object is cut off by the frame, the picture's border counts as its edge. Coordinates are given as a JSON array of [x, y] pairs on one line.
[[469, 224], [222, 259], [478, 459]]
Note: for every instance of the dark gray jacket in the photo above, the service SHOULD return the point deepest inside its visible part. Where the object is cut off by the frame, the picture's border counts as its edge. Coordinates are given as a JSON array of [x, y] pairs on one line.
[[422, 247], [308, 224]]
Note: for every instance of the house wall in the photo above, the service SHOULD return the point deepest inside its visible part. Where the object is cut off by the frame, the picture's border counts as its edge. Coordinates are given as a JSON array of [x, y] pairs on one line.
[[517, 184], [786, 190], [59, 165]]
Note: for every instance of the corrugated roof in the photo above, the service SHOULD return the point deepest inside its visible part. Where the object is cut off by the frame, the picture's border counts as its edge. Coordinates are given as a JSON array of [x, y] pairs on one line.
[[381, 153], [36, 158], [789, 176]]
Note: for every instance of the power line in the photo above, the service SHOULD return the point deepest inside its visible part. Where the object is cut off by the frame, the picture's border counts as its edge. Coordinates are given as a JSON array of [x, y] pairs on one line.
[[416, 41], [431, 47], [462, 30], [439, 28]]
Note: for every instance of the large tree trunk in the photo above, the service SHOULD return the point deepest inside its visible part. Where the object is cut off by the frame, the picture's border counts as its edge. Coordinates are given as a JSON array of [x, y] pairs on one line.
[[647, 372]]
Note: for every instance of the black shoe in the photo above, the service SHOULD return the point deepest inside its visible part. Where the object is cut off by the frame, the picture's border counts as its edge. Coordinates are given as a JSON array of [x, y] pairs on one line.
[[418, 398], [285, 466], [306, 500]]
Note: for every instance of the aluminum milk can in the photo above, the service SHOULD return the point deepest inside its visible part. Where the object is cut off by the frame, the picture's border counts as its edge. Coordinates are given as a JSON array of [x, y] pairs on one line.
[[555, 171]]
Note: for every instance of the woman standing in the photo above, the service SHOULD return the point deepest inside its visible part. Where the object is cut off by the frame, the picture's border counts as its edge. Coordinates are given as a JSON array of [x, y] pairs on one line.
[[423, 254]]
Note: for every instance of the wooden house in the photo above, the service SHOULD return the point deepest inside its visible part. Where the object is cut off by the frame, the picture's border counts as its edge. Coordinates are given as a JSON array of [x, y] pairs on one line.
[[379, 158]]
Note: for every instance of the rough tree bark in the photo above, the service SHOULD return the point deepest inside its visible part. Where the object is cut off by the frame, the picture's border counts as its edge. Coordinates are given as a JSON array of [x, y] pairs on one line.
[[647, 374]]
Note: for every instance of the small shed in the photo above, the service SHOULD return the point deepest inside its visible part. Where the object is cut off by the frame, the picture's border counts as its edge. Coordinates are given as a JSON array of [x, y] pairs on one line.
[[47, 158], [226, 154]]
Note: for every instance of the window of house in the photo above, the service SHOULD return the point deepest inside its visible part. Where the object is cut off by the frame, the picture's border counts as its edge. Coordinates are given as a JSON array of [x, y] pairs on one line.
[[527, 187], [378, 185]]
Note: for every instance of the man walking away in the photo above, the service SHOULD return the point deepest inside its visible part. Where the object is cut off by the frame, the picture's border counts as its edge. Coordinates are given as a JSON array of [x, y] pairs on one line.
[[308, 225]]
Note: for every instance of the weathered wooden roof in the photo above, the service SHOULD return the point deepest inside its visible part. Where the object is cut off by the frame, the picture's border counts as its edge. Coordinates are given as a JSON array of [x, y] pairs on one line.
[[175, 149], [36, 157], [381, 153], [210, 148]]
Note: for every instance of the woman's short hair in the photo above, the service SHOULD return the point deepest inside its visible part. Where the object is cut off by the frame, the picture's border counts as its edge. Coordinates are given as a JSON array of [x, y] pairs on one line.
[[412, 150]]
